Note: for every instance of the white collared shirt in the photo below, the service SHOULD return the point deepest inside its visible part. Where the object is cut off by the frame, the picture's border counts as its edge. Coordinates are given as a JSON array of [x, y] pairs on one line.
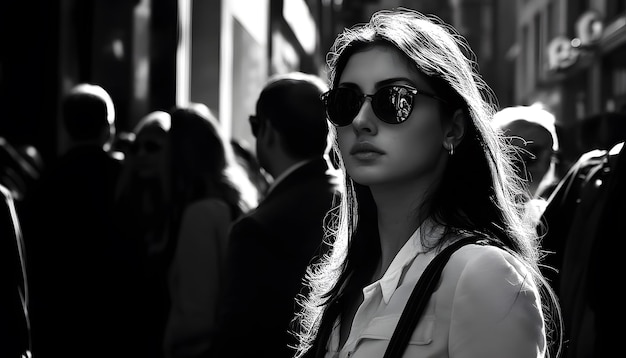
[[377, 296], [484, 307]]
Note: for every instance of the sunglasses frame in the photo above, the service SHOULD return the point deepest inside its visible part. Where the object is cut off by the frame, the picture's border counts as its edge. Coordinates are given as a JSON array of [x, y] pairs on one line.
[[412, 91]]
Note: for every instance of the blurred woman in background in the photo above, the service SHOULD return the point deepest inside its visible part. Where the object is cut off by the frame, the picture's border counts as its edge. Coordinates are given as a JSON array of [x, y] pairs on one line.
[[209, 191]]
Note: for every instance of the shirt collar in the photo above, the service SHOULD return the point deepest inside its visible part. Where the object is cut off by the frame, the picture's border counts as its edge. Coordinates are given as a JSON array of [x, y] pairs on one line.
[[284, 174], [413, 247]]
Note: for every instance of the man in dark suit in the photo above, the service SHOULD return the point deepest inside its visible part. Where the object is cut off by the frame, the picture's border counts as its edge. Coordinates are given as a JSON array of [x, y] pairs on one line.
[[270, 247], [80, 271], [584, 217]]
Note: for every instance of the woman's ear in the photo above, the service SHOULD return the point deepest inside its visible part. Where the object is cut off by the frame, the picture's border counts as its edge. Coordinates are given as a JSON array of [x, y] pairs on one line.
[[454, 131]]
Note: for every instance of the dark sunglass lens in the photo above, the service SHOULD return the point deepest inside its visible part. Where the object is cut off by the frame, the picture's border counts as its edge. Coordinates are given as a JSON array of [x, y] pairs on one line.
[[343, 105], [254, 125], [393, 104]]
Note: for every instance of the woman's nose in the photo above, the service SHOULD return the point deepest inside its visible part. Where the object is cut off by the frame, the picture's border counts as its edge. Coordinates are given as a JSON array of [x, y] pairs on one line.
[[365, 120]]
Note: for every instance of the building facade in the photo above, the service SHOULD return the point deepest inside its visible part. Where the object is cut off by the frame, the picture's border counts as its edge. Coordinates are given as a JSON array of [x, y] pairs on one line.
[[571, 56], [149, 55]]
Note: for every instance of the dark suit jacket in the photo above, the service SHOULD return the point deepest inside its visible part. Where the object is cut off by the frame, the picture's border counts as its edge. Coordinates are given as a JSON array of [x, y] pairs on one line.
[[269, 250], [585, 221], [14, 325], [80, 271]]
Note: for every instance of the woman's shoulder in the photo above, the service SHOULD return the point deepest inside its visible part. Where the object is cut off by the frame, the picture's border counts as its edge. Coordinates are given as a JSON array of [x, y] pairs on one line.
[[204, 216], [484, 251], [491, 280], [494, 305], [208, 208], [488, 265]]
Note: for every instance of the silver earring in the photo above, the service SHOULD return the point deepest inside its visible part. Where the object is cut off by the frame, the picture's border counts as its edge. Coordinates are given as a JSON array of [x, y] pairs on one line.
[[451, 151]]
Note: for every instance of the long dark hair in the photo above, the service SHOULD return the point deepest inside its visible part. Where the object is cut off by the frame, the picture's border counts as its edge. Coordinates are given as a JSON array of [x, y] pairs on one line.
[[479, 193], [202, 163]]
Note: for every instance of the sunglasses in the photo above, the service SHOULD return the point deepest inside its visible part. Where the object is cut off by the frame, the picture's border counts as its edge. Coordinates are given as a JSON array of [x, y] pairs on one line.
[[254, 124], [392, 104]]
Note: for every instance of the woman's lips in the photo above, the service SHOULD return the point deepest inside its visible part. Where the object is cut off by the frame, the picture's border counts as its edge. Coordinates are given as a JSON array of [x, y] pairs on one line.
[[365, 151]]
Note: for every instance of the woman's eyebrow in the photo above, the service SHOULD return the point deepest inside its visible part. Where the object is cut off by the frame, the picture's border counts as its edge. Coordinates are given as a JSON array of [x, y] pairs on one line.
[[379, 84], [393, 80], [349, 85]]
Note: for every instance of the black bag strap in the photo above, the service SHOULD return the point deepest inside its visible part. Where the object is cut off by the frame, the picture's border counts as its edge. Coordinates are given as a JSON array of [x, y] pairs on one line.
[[419, 298]]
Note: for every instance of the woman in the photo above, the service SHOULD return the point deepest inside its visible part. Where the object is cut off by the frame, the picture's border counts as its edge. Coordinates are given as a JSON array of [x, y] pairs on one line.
[[209, 192], [143, 191], [143, 204], [423, 168]]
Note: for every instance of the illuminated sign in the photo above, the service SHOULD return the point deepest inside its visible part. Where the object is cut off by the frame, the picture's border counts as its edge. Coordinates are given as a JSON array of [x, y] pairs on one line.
[[589, 28], [564, 52], [561, 53]]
